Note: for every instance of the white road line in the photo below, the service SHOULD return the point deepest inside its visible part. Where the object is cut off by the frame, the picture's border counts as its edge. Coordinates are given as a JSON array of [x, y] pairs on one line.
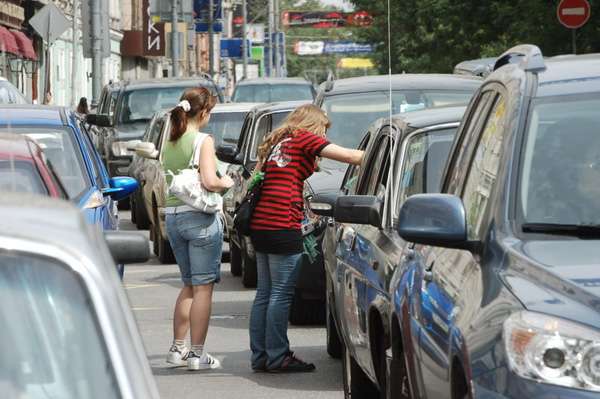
[[573, 11]]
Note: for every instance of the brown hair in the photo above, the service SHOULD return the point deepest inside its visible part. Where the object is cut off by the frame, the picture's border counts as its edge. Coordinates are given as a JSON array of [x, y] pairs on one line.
[[200, 100], [306, 117]]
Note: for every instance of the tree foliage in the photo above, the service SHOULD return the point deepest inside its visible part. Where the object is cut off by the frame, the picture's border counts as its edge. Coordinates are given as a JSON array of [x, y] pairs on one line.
[[434, 35]]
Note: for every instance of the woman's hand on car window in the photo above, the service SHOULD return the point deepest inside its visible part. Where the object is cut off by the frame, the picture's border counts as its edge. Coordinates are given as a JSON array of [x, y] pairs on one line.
[[342, 154]]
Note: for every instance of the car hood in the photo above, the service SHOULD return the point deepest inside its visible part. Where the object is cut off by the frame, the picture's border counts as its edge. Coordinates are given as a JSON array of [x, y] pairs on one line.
[[328, 178], [560, 277], [131, 131]]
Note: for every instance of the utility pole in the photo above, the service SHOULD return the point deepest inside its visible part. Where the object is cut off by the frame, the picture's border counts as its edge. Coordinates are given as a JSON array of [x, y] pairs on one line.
[[175, 38], [211, 44], [271, 29], [245, 38], [277, 42], [97, 70], [75, 59]]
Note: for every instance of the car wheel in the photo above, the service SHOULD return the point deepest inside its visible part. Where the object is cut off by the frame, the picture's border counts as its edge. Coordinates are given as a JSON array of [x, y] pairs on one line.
[[334, 342], [236, 258], [306, 311], [249, 273], [356, 383], [138, 209]]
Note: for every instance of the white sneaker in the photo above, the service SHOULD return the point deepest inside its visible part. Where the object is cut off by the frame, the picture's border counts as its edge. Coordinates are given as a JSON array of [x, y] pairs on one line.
[[177, 357], [204, 362]]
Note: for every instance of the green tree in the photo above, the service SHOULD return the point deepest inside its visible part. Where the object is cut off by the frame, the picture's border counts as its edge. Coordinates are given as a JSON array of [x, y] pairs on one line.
[[434, 35]]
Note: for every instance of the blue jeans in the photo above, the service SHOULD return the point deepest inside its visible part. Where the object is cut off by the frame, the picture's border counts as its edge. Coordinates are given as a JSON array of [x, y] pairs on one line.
[[277, 276], [197, 241]]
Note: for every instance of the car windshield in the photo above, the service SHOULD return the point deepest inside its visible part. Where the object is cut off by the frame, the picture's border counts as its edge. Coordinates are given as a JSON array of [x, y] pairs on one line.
[[50, 330], [225, 126], [351, 114], [560, 169], [63, 154], [257, 93], [9, 94], [140, 105], [20, 177]]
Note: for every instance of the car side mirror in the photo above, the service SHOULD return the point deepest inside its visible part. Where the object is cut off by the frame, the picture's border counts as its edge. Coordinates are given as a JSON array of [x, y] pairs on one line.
[[102, 120], [323, 204], [434, 219], [121, 187], [146, 150], [358, 209], [228, 153], [132, 144], [127, 247]]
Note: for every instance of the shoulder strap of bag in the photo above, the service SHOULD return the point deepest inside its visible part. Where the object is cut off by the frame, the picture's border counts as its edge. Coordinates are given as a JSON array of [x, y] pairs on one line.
[[264, 165], [195, 159]]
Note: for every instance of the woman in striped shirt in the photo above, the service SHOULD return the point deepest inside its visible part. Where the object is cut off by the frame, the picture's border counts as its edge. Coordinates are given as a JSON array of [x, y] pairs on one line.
[[290, 153]]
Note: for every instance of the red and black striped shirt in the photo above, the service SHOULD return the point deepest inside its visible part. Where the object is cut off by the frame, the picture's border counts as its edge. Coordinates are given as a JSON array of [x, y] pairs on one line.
[[292, 161]]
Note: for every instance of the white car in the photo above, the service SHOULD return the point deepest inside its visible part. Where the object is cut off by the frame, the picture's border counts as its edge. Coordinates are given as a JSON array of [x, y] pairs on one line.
[[9, 94]]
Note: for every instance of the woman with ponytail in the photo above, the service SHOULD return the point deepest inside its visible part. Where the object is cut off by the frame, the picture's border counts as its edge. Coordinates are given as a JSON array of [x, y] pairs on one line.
[[290, 155], [196, 237]]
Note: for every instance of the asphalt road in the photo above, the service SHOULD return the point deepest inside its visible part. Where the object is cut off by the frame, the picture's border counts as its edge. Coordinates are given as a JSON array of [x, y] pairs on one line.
[[152, 289]]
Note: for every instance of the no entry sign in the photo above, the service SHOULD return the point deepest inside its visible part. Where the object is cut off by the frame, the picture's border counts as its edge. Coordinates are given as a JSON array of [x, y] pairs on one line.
[[573, 14]]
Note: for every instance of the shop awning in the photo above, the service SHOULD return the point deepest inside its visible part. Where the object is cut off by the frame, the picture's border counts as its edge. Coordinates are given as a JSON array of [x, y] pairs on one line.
[[8, 44], [25, 45]]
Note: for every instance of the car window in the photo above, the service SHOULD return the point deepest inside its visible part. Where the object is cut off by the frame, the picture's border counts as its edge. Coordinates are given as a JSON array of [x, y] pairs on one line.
[[374, 180], [97, 167], [259, 93], [155, 130], [464, 142], [64, 154], [263, 127], [353, 172], [20, 177], [559, 176], [423, 161], [48, 320], [484, 168], [277, 119], [140, 105], [225, 127]]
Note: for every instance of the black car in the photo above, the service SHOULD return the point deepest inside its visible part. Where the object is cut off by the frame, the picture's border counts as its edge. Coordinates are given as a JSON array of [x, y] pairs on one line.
[[243, 158], [270, 90], [126, 109], [403, 157]]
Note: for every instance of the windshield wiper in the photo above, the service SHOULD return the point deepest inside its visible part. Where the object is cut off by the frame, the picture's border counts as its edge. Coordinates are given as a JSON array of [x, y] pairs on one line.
[[576, 230]]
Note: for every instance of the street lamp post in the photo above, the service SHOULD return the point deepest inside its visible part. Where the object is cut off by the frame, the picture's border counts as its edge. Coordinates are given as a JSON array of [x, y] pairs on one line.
[[175, 38], [245, 38]]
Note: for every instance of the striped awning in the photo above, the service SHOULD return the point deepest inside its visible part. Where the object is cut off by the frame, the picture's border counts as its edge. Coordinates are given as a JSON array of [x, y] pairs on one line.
[[8, 44], [25, 45]]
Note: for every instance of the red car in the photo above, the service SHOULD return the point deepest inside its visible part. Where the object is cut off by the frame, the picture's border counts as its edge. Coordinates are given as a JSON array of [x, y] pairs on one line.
[[24, 168]]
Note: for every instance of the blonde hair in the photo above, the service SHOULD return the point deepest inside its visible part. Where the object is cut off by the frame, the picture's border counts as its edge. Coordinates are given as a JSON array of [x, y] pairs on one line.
[[306, 117]]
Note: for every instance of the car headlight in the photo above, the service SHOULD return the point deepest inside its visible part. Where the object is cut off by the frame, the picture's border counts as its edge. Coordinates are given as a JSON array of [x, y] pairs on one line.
[[119, 149], [553, 350]]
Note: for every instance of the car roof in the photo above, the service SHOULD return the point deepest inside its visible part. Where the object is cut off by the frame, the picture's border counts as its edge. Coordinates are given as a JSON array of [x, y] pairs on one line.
[[164, 82], [279, 106], [29, 114], [570, 74], [234, 107], [273, 81], [406, 81], [15, 145], [430, 117]]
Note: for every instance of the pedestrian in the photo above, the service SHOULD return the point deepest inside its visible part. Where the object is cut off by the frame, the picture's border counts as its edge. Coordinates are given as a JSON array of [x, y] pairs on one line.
[[48, 98], [196, 237], [82, 107], [290, 153]]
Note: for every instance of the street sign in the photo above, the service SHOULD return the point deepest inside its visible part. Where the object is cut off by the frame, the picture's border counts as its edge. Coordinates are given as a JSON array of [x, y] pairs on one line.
[[50, 23], [202, 15], [153, 33], [573, 14], [232, 48]]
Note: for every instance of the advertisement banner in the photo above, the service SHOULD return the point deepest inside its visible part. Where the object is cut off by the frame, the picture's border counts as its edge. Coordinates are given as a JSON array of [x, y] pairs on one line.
[[346, 47], [309, 48], [325, 19]]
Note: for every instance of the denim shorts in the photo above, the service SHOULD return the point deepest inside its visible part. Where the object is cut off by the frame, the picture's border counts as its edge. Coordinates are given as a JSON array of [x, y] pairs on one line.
[[197, 242]]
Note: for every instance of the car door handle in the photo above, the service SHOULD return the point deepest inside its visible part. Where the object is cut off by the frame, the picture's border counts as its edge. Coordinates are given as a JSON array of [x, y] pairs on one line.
[[428, 272]]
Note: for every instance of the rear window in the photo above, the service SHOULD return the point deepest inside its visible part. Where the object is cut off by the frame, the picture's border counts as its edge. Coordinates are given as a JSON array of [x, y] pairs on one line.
[[50, 330], [257, 93]]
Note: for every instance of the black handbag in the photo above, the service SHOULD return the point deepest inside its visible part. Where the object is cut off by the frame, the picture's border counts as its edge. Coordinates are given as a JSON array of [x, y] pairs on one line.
[[242, 216]]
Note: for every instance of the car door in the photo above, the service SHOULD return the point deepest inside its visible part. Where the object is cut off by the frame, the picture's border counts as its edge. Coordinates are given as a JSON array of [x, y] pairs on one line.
[[154, 179], [451, 286], [356, 256]]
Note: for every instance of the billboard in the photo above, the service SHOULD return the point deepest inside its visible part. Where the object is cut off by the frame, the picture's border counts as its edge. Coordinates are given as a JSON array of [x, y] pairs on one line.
[[331, 47], [325, 19], [153, 33]]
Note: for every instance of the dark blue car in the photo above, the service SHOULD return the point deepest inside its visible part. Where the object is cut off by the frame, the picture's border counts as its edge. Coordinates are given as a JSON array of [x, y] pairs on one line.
[[499, 294], [70, 152]]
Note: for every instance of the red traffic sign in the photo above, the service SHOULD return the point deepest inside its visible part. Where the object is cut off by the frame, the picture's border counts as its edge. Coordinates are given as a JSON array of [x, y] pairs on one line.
[[573, 14]]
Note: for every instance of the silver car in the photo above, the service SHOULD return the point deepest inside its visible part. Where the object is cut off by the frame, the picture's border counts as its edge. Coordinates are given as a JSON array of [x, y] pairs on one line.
[[67, 329]]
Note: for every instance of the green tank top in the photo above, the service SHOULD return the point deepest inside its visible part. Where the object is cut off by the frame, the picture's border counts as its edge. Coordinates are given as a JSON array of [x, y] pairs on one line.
[[176, 156]]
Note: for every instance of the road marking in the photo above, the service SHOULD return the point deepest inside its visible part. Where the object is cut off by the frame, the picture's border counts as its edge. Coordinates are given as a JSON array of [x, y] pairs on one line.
[[573, 11], [133, 286]]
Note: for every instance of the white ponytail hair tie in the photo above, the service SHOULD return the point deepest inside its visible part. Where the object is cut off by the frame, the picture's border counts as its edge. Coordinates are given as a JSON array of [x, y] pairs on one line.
[[185, 104]]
